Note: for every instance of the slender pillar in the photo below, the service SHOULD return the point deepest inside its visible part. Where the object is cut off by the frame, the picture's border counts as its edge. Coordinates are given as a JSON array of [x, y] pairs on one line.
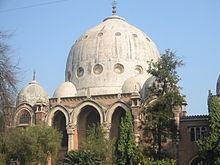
[[135, 109], [177, 111], [70, 131], [136, 123], [106, 129]]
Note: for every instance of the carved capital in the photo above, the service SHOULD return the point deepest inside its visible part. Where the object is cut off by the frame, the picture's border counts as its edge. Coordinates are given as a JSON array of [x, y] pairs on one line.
[[70, 129]]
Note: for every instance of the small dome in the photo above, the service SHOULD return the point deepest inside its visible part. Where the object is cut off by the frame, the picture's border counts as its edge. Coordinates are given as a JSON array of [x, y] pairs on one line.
[[32, 94], [218, 87], [131, 85], [66, 89], [145, 89]]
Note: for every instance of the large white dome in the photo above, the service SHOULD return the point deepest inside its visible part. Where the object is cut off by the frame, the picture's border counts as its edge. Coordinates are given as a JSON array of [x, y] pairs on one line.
[[104, 57]]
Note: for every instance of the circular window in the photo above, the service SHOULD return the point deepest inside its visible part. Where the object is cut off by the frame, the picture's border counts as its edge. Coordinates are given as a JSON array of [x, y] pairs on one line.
[[138, 69], [100, 34], [118, 68], [86, 36], [80, 72], [135, 35], [117, 33], [98, 69]]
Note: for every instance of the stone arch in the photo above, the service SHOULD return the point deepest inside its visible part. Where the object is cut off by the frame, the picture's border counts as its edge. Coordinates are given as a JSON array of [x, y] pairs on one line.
[[51, 114], [22, 110], [196, 160], [112, 109], [86, 115], [114, 115], [77, 110], [59, 119]]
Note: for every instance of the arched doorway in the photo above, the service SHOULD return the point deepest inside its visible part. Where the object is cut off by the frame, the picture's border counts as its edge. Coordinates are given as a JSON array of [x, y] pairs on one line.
[[59, 123], [115, 122], [88, 117]]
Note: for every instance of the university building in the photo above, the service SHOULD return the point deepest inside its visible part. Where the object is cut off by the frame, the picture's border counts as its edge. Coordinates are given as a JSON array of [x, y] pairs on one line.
[[105, 77]]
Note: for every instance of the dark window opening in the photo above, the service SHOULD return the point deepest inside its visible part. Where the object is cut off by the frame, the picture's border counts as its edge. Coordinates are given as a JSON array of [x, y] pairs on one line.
[[25, 118], [59, 123]]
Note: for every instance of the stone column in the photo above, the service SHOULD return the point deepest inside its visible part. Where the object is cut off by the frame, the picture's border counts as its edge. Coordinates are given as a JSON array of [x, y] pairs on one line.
[[136, 123], [135, 109], [177, 112], [106, 129], [70, 131]]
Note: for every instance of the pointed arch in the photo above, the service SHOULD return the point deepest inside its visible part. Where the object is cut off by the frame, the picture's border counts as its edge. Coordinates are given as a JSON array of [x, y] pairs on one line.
[[51, 114], [111, 110], [59, 118], [196, 160], [26, 108], [85, 115], [79, 107], [113, 117]]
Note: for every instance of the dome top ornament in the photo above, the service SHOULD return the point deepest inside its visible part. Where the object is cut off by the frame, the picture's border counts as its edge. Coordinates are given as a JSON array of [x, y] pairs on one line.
[[114, 7]]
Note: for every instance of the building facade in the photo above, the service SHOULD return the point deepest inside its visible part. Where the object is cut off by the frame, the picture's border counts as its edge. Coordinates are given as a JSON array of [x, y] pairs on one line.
[[105, 77]]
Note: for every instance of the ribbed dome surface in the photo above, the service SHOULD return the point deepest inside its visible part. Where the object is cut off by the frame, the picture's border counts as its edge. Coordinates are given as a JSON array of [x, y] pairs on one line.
[[107, 55], [131, 85], [66, 89], [32, 94]]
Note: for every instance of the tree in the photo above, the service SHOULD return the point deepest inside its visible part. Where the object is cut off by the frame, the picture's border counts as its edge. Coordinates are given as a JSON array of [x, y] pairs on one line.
[[159, 162], [97, 143], [163, 97], [32, 144], [125, 145], [3, 150], [82, 157], [209, 147], [8, 80], [96, 149]]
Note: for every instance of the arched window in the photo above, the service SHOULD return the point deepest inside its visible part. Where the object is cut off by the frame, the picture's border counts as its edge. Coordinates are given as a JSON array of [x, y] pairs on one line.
[[116, 118], [25, 118], [59, 123], [87, 118]]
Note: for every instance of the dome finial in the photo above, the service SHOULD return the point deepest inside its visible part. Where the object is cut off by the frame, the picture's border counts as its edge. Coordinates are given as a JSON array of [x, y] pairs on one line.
[[114, 6], [34, 75]]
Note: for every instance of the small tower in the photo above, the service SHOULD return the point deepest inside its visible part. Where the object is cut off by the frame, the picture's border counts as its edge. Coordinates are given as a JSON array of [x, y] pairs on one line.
[[135, 109]]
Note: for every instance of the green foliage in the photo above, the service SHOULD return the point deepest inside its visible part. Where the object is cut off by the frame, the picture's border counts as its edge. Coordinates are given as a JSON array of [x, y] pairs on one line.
[[160, 162], [3, 159], [32, 144], [163, 98], [97, 143], [125, 145], [82, 157], [95, 150], [209, 146]]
